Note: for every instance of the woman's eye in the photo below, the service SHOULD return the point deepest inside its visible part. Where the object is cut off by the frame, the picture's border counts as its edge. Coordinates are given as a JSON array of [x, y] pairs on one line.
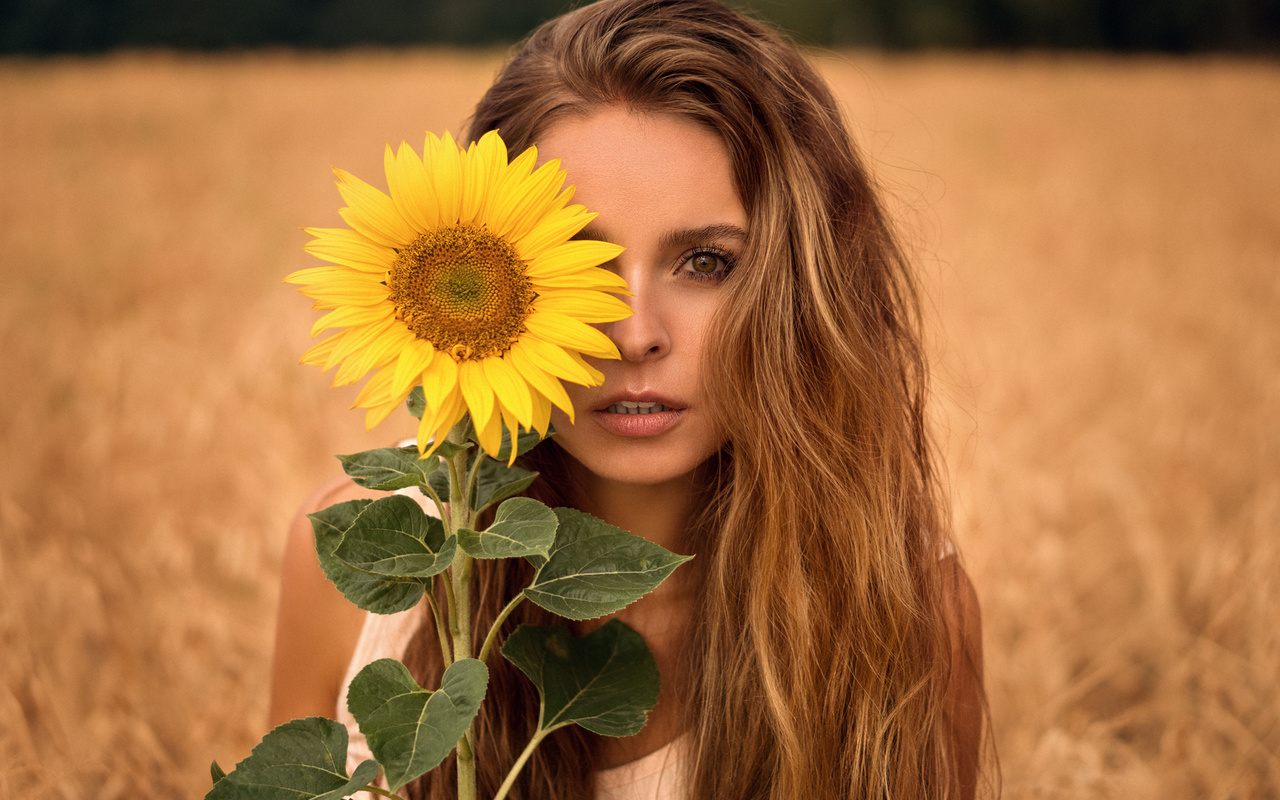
[[707, 264]]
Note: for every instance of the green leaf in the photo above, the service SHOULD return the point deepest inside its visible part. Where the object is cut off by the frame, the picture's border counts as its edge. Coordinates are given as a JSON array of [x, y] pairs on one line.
[[438, 480], [595, 569], [448, 449], [606, 681], [416, 402], [394, 539], [388, 468], [305, 759], [216, 772], [496, 482], [522, 527], [409, 729], [369, 592], [525, 442]]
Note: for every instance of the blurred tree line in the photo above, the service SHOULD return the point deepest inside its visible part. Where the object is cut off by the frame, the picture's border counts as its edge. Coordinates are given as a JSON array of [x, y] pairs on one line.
[[85, 26]]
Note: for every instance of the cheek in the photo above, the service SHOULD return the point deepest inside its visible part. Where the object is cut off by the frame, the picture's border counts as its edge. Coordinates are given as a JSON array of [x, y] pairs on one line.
[[568, 435]]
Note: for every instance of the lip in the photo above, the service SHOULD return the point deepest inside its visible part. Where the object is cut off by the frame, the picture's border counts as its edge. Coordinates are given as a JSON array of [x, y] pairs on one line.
[[638, 425]]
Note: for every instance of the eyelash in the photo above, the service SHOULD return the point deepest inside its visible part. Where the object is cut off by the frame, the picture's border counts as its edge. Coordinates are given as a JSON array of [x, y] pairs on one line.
[[694, 252]]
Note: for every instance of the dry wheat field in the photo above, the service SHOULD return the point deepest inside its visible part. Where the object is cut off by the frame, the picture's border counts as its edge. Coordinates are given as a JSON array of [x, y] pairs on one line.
[[1100, 241]]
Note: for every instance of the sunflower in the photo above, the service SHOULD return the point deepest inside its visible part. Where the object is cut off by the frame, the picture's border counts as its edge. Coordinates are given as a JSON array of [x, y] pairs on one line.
[[464, 279]]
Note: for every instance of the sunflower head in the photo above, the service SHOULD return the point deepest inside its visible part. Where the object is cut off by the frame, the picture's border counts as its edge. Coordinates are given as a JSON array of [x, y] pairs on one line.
[[465, 279], [462, 289]]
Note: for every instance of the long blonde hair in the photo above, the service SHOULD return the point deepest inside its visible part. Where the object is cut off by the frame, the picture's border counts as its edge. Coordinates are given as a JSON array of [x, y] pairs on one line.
[[821, 653]]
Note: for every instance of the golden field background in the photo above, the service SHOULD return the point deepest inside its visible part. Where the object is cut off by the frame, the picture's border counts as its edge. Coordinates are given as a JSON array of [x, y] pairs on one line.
[[1100, 239]]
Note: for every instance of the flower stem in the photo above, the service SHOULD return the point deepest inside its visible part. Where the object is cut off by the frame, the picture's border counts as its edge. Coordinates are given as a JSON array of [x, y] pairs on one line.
[[460, 601], [466, 768], [471, 479], [446, 652], [441, 508], [497, 623], [519, 765]]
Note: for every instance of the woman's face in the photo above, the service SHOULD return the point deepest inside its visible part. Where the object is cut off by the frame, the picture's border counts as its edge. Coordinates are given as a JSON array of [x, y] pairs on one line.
[[663, 188]]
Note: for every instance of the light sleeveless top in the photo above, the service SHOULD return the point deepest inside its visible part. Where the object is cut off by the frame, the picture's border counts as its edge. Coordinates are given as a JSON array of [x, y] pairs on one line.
[[656, 776]]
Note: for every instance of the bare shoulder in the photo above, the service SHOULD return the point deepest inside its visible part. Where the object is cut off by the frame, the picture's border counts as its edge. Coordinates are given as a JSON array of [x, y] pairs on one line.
[[316, 627], [965, 705], [964, 616]]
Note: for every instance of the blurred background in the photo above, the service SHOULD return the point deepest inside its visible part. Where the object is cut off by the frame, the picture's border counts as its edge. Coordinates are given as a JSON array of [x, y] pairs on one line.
[[1176, 26], [1090, 191]]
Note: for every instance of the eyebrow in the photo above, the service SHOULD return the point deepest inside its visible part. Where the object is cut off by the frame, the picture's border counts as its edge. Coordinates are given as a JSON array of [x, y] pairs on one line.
[[685, 236]]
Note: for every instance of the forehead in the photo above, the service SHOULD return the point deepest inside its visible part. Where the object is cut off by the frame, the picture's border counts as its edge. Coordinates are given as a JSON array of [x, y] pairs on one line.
[[634, 167]]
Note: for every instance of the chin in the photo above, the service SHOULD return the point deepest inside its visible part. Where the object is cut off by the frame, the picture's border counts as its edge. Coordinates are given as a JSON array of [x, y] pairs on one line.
[[640, 471], [651, 461]]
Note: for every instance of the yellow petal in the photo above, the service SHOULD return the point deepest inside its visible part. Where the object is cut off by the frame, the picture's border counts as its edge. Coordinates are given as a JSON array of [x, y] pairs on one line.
[[577, 358], [559, 226], [570, 333], [480, 164], [439, 382], [590, 278], [313, 275], [335, 293], [414, 359], [350, 249], [436, 424], [540, 195], [512, 192], [411, 189], [476, 391], [509, 422], [357, 339], [572, 257], [442, 162], [542, 414], [375, 392], [351, 316], [318, 354], [489, 435], [512, 392], [374, 353], [371, 212], [561, 363], [584, 305], [545, 385]]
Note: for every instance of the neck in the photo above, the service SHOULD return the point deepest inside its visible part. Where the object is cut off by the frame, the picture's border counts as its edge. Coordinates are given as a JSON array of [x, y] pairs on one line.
[[657, 512]]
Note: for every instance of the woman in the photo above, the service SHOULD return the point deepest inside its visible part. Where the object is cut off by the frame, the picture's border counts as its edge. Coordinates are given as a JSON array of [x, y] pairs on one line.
[[825, 641]]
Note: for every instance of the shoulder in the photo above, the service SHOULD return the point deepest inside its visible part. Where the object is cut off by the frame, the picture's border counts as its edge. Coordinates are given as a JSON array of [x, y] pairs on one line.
[[300, 551], [960, 602], [316, 627], [337, 489], [965, 699]]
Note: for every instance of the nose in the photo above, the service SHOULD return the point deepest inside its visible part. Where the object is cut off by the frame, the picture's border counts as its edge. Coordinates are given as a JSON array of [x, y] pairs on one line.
[[643, 336]]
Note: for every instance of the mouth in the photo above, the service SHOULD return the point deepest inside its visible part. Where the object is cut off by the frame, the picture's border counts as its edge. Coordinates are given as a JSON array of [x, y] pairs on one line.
[[637, 407], [638, 414]]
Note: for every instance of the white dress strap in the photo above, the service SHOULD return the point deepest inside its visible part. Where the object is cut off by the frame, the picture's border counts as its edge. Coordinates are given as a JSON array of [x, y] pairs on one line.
[[657, 776]]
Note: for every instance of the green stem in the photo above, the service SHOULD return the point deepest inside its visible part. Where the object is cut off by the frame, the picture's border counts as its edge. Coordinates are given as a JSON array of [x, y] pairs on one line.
[[459, 575], [466, 768], [471, 480], [440, 506], [448, 597], [497, 623], [458, 507], [446, 652], [519, 765], [383, 792]]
